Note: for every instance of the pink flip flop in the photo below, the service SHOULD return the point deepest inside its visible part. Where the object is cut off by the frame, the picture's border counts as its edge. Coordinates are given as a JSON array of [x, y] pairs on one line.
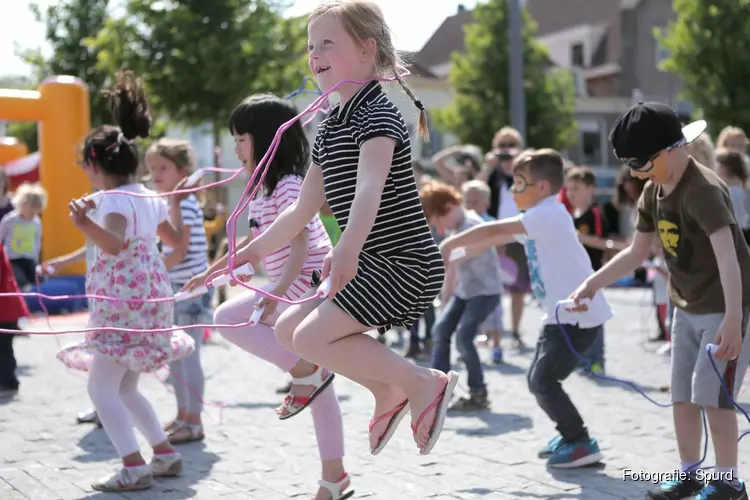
[[440, 404], [395, 415]]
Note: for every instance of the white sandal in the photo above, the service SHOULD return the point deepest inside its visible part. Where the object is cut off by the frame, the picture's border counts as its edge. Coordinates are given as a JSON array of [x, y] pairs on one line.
[[335, 488], [294, 404]]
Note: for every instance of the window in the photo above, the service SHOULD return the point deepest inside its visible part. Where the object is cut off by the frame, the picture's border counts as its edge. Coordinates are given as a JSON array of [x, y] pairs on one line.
[[591, 143], [576, 55]]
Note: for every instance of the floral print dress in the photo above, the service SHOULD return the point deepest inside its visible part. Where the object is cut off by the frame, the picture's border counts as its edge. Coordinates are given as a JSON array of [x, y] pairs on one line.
[[137, 272]]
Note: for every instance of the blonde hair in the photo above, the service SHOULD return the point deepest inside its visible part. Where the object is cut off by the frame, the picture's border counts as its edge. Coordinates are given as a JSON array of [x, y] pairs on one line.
[[729, 133], [508, 132], [702, 149], [476, 185], [178, 151], [364, 20], [33, 194]]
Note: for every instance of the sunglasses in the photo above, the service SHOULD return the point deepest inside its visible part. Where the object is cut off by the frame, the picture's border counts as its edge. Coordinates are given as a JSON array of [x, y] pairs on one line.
[[507, 145], [639, 164]]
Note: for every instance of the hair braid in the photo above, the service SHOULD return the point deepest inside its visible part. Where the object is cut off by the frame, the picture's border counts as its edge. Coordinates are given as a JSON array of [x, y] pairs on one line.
[[422, 128]]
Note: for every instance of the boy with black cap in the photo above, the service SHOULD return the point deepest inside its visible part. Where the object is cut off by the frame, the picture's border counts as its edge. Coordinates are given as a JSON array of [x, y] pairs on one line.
[[690, 209]]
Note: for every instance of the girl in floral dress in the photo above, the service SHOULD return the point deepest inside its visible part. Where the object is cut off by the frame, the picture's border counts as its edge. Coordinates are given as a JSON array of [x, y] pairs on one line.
[[127, 265]]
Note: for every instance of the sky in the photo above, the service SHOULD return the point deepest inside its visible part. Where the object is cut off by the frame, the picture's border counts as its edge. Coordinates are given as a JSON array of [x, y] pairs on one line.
[[412, 23]]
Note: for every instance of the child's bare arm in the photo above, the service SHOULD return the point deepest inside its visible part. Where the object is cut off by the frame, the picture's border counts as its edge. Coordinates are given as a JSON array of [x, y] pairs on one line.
[[110, 237], [171, 232], [299, 251]]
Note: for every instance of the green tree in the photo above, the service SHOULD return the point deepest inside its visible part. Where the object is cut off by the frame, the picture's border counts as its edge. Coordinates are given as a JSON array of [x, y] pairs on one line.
[[709, 47], [480, 81], [69, 25], [199, 59]]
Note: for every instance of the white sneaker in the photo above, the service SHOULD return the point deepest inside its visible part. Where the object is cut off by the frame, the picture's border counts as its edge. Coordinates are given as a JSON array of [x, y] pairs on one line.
[[126, 479], [166, 464], [666, 349]]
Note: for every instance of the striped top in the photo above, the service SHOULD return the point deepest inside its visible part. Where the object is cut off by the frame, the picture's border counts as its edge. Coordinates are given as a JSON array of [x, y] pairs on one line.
[[265, 209], [196, 258], [400, 270]]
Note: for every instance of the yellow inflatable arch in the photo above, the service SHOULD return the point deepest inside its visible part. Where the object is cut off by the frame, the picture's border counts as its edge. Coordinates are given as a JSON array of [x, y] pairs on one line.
[[61, 106]]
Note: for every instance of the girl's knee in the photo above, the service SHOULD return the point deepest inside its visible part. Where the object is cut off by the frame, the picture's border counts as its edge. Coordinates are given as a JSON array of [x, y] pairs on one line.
[[284, 331], [222, 314]]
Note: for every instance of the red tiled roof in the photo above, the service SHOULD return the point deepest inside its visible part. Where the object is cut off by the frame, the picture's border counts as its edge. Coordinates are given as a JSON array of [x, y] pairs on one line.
[[448, 38]]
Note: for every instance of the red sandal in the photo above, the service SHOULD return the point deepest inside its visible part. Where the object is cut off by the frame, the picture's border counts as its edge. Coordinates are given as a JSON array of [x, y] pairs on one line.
[[293, 404], [440, 404], [395, 415]]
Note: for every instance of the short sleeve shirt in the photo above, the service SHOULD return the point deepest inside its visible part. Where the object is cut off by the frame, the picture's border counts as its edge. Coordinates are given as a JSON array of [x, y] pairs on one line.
[[684, 220]]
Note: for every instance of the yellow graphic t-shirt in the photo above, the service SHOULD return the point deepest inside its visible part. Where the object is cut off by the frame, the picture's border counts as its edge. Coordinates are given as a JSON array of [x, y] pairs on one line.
[[21, 238]]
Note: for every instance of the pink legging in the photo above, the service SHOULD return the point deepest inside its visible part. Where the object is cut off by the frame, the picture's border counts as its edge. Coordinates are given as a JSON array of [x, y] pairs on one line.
[[260, 340]]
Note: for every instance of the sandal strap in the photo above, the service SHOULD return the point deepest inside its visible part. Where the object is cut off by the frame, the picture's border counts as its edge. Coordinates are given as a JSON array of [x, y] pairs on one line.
[[334, 488], [315, 378]]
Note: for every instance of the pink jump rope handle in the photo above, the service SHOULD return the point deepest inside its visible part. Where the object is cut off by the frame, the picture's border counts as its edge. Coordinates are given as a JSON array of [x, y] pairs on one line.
[[257, 314], [224, 279], [571, 304], [324, 289], [195, 177], [48, 269]]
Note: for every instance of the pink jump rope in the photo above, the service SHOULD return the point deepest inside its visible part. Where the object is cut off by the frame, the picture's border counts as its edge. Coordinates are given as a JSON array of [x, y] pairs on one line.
[[218, 278]]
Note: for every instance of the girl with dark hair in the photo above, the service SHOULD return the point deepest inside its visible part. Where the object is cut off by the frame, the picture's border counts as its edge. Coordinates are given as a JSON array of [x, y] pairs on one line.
[[290, 268], [127, 264]]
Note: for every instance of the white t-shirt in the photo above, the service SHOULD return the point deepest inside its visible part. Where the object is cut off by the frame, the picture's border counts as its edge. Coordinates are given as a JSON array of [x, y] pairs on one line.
[[143, 214], [558, 264]]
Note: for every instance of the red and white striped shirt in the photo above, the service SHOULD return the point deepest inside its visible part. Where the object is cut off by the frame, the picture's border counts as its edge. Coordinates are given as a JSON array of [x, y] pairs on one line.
[[266, 209]]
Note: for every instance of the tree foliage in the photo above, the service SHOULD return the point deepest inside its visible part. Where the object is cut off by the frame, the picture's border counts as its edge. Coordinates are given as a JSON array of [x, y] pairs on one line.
[[709, 47], [480, 82], [70, 24], [199, 58]]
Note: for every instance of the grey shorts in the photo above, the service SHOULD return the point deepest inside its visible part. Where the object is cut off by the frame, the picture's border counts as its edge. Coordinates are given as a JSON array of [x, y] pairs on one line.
[[196, 311], [693, 377]]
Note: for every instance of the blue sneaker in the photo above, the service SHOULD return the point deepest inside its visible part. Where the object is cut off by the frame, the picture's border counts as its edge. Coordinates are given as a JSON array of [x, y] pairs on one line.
[[721, 490], [497, 355], [578, 454], [551, 447], [686, 487]]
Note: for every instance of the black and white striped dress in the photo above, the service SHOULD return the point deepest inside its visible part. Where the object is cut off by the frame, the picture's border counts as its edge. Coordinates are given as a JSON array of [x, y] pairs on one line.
[[400, 270]]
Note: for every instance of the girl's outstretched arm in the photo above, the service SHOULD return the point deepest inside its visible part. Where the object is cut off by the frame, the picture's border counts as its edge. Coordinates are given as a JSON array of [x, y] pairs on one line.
[[171, 231], [291, 221]]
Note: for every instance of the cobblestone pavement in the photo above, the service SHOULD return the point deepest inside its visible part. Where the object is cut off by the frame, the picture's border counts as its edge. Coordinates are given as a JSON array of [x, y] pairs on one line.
[[250, 454]]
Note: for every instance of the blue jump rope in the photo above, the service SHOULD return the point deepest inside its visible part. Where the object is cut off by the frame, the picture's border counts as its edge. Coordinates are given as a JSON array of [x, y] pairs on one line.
[[709, 349]]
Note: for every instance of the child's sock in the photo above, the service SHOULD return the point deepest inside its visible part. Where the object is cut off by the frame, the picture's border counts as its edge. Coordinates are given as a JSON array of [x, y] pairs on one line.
[[729, 475], [689, 466]]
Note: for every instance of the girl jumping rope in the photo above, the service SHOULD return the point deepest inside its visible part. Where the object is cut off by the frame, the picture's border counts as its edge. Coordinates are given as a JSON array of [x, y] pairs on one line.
[[290, 269], [169, 161], [127, 265], [386, 269]]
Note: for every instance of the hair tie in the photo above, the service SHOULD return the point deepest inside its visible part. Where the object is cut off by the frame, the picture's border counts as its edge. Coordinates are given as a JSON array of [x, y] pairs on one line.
[[419, 104], [124, 140]]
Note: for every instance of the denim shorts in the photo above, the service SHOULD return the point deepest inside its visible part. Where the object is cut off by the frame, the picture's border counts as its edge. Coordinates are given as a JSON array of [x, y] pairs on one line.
[[195, 311]]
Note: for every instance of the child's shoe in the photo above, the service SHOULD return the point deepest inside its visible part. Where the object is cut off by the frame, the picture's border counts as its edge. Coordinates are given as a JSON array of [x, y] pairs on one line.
[[166, 464], [477, 401], [578, 454], [551, 447], [518, 342], [676, 490], [126, 479], [497, 355], [722, 490]]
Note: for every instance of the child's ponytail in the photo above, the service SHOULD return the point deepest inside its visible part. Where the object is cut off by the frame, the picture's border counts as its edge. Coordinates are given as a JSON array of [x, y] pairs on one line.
[[422, 127]]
